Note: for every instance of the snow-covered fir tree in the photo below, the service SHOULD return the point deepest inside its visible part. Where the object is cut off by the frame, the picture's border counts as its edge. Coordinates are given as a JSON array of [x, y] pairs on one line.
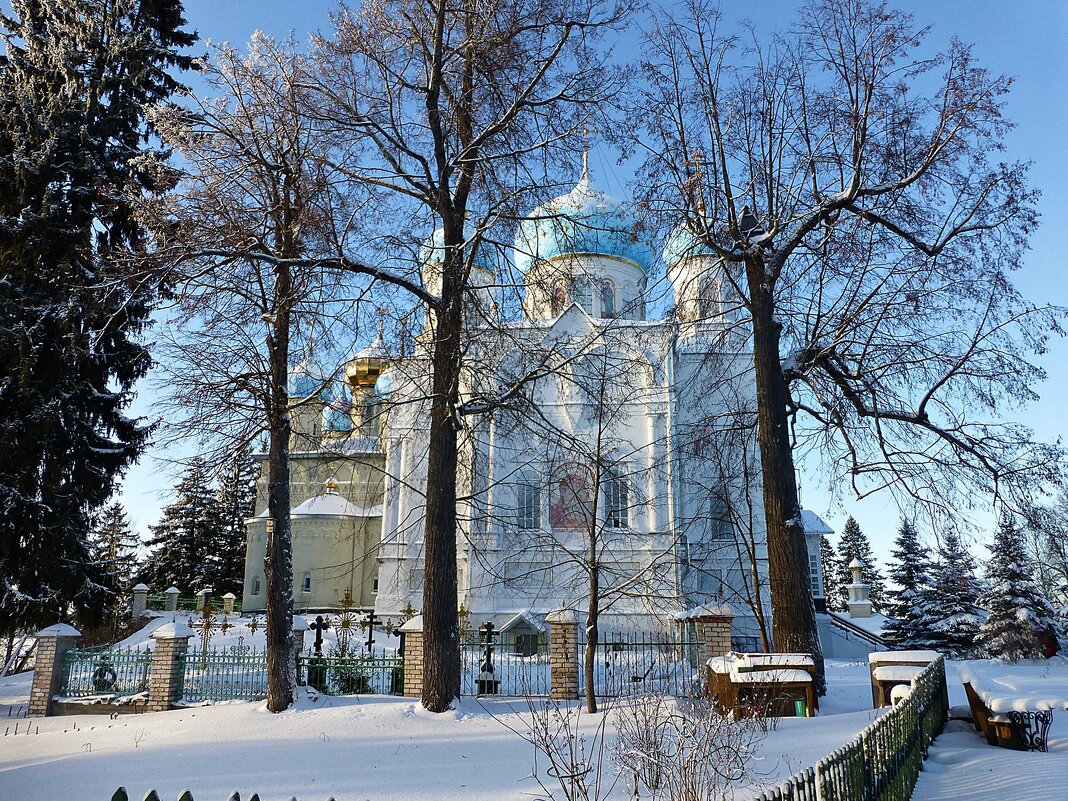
[[236, 500], [854, 544], [114, 545], [75, 82], [832, 580], [952, 607], [909, 595], [183, 543], [1021, 623]]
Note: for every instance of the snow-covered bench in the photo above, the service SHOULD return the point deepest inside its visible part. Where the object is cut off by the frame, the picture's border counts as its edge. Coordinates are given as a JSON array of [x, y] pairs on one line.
[[892, 668], [772, 682], [1013, 705]]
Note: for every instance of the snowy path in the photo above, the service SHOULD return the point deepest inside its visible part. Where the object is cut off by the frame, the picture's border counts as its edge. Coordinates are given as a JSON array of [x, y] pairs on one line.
[[961, 764]]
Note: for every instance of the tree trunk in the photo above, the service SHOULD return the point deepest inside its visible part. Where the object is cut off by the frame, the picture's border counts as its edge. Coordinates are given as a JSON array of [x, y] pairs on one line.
[[441, 634], [592, 634], [278, 562], [793, 613]]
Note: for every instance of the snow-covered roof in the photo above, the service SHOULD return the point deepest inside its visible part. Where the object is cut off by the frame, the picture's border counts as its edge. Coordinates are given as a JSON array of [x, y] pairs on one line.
[[814, 524], [706, 610], [902, 657], [524, 616], [330, 504]]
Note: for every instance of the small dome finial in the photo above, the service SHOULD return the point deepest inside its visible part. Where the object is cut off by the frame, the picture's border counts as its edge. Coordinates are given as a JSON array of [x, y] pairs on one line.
[[330, 485]]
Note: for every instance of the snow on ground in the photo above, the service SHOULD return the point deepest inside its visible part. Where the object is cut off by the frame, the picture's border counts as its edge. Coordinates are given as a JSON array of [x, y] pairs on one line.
[[369, 747], [962, 765]]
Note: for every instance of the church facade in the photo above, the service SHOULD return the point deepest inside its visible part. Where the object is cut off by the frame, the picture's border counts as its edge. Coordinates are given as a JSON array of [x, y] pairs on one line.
[[621, 463]]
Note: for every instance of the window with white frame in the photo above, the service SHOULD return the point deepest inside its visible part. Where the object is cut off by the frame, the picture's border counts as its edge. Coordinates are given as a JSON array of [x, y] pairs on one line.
[[256, 585], [814, 575], [616, 503], [306, 584], [526, 574], [719, 519], [528, 505]]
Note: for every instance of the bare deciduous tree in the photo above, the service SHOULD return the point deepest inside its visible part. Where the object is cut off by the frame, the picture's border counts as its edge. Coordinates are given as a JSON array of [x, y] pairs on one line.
[[852, 176]]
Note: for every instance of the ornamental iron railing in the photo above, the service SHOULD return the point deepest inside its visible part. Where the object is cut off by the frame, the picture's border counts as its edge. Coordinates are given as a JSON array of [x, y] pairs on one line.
[[105, 671], [518, 668], [223, 675], [368, 673], [640, 663]]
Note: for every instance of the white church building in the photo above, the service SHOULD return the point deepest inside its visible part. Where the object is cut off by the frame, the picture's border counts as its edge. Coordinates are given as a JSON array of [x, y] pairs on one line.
[[624, 457]]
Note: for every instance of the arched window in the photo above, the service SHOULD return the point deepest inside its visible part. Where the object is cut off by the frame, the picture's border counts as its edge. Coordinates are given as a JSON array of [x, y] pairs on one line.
[[608, 299], [569, 501], [306, 584], [559, 300], [584, 294]]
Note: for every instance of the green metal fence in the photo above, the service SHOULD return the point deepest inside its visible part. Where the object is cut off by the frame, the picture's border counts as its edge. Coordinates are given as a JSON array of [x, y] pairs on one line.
[[152, 795], [158, 603], [219, 675], [105, 671], [381, 673], [883, 762]]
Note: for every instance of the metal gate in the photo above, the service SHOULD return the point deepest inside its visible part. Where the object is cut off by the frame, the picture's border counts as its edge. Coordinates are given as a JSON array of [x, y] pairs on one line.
[[516, 670]]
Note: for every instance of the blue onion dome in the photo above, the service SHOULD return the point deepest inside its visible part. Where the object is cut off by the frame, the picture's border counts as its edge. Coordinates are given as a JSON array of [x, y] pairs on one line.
[[305, 380], [337, 415], [584, 221], [682, 243], [432, 251], [384, 386]]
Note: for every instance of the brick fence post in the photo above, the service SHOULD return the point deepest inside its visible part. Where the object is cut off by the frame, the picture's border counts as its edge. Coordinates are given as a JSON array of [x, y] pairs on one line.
[[563, 654], [413, 657], [52, 645], [167, 673], [712, 625], [140, 601]]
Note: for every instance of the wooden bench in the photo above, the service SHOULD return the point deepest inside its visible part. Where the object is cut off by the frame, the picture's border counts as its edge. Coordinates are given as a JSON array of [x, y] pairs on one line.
[[1018, 730]]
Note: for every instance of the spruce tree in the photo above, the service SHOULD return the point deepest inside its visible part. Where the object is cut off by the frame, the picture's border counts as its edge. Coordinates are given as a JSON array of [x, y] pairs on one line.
[[854, 544], [183, 543], [954, 616], [1021, 623], [907, 600], [113, 547], [832, 580], [76, 77], [236, 503]]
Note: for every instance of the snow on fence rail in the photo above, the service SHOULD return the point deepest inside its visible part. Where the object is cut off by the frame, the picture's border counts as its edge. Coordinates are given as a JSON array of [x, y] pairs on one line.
[[883, 761]]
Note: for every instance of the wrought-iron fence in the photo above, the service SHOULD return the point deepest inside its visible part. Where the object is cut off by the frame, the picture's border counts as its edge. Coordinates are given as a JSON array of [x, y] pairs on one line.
[[636, 663], [381, 673], [883, 761], [217, 675], [517, 671], [105, 671], [158, 603]]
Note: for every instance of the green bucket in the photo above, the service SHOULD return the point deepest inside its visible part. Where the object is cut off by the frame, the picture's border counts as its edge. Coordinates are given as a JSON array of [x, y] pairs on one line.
[[801, 708]]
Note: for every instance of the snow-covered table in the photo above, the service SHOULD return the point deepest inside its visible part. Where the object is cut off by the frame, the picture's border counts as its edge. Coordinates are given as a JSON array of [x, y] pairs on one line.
[[1013, 705], [891, 668]]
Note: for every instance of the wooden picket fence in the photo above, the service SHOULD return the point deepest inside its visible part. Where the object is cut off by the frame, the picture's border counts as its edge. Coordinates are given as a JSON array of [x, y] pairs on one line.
[[883, 762], [152, 795]]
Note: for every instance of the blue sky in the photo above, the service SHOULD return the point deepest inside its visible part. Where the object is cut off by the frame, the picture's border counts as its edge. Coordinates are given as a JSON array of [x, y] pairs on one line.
[[1025, 38]]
